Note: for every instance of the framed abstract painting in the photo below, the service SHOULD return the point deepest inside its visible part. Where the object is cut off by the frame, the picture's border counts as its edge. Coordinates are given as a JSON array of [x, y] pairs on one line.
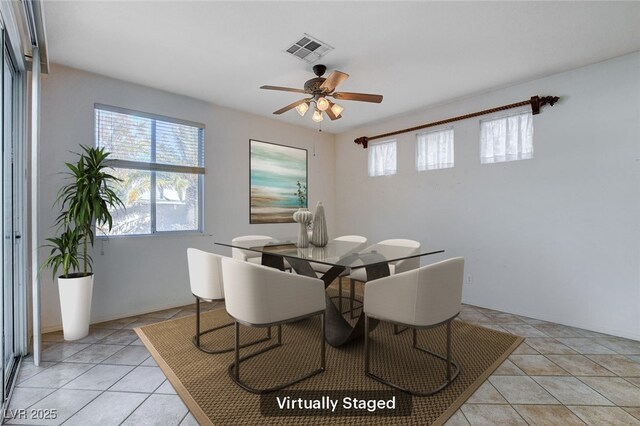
[[275, 171]]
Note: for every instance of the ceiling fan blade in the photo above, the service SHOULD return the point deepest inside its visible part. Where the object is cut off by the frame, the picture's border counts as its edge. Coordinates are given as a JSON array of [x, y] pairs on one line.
[[330, 113], [333, 80], [362, 97], [290, 106], [283, 89]]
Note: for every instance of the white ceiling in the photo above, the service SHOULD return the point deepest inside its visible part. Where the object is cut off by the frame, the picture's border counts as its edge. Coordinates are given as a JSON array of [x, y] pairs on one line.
[[414, 53]]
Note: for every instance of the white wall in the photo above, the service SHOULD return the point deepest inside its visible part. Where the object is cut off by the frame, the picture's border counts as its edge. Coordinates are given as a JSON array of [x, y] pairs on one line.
[[556, 237], [142, 274]]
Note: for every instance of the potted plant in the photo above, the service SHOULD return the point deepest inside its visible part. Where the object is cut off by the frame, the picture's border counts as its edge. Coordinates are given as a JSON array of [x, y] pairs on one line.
[[84, 202], [302, 216]]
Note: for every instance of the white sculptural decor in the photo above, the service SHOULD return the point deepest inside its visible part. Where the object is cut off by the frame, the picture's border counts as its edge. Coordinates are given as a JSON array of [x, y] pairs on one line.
[[320, 236], [303, 216]]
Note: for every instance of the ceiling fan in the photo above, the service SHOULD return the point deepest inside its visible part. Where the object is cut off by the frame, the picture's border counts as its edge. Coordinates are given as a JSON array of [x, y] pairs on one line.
[[319, 88]]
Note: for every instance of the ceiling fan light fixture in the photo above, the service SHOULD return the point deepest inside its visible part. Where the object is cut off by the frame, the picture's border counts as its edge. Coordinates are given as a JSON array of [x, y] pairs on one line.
[[317, 116], [302, 109], [322, 104], [337, 110]]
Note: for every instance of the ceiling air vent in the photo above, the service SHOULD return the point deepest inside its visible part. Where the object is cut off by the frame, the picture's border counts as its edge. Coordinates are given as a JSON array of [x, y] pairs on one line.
[[308, 48]]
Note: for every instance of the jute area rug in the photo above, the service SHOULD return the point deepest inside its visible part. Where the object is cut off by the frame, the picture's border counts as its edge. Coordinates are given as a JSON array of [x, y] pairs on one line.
[[203, 383]]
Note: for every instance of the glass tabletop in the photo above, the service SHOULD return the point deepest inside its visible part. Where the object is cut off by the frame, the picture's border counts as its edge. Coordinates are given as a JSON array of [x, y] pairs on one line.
[[337, 252]]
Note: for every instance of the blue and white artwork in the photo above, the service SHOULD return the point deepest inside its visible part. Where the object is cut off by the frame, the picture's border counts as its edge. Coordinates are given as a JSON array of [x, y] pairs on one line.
[[275, 173]]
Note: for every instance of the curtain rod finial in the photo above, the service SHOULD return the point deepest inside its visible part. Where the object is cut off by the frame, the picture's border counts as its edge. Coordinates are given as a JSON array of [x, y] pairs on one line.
[[537, 102], [364, 141]]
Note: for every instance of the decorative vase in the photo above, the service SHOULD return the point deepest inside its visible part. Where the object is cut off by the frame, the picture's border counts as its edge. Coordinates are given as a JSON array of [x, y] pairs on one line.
[[320, 236], [75, 304], [303, 216]]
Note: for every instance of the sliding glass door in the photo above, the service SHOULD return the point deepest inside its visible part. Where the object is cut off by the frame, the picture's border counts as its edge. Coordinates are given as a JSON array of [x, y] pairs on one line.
[[10, 213]]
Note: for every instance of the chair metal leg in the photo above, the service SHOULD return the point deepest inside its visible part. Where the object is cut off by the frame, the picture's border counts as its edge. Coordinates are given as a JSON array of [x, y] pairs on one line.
[[234, 369], [450, 376], [196, 338], [366, 345]]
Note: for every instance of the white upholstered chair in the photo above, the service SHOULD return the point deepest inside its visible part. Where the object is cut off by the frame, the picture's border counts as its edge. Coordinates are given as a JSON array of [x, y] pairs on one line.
[[249, 255], [205, 278], [420, 298], [390, 249], [259, 296]]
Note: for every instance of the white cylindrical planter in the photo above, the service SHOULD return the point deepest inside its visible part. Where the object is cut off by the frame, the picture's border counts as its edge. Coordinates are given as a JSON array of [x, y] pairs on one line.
[[75, 304]]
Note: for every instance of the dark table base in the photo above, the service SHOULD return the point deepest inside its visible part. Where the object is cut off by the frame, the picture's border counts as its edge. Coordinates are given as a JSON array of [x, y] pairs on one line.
[[338, 330]]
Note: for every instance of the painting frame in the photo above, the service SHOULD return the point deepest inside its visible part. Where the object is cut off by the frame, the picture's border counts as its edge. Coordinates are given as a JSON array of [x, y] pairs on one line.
[[275, 202]]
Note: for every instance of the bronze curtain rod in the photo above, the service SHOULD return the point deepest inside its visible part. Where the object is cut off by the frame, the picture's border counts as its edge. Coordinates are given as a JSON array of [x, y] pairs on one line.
[[536, 102]]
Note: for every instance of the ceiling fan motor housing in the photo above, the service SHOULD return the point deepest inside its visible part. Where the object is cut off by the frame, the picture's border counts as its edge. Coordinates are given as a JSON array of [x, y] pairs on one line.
[[313, 86]]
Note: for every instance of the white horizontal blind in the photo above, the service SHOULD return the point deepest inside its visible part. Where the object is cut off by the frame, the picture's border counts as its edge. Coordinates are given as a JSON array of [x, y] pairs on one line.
[[160, 163], [507, 138], [382, 158], [160, 142], [434, 150]]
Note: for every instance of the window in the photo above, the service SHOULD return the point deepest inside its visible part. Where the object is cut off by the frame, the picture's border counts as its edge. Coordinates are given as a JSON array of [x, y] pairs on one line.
[[161, 163], [434, 150], [507, 138], [382, 158]]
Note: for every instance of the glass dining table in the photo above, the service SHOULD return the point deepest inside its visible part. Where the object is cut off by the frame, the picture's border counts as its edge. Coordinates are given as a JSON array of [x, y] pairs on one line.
[[333, 260]]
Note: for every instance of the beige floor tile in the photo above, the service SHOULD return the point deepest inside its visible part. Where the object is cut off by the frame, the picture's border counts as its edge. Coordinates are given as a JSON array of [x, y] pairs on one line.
[[620, 345], [619, 364], [474, 318], [486, 394], [490, 415], [94, 354], [524, 330], [525, 349], [556, 330], [60, 351], [634, 411], [548, 345], [634, 380], [521, 390], [495, 327], [164, 314], [579, 365], [548, 415], [504, 319], [585, 345], [571, 391], [120, 337], [116, 324], [508, 368], [96, 334], [604, 416], [537, 365], [615, 389], [458, 419]]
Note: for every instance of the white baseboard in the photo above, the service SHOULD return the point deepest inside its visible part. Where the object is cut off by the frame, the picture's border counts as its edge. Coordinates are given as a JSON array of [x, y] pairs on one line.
[[562, 321], [58, 327]]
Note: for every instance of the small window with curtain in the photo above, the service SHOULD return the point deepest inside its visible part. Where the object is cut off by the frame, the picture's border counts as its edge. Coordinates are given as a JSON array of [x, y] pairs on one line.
[[160, 161], [382, 158], [507, 138], [434, 150]]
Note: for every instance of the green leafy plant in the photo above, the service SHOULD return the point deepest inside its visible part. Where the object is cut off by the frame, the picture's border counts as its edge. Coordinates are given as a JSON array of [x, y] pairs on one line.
[[86, 200], [301, 193], [64, 252]]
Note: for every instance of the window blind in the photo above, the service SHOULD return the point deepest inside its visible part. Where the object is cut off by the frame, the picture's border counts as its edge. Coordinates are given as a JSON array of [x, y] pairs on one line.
[[146, 141]]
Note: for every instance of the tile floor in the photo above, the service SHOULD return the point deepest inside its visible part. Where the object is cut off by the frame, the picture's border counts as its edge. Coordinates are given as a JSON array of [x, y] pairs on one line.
[[559, 376]]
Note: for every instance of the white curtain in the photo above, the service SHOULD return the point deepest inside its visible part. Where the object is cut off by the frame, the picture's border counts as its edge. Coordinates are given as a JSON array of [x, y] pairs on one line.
[[434, 150], [382, 158], [507, 138]]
